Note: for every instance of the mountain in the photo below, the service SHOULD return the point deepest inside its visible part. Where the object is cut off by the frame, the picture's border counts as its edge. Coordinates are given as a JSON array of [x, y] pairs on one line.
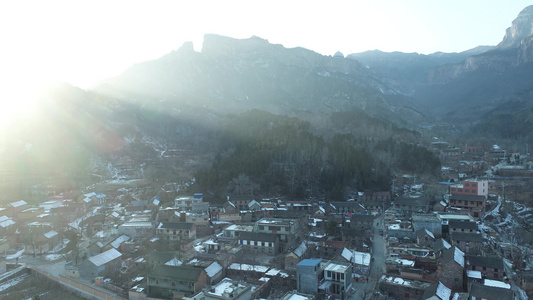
[[231, 76], [520, 29], [483, 81], [294, 121], [450, 86], [406, 71]]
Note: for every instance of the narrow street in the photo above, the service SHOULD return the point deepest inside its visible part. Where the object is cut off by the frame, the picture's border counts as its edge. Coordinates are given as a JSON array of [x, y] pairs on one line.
[[364, 290]]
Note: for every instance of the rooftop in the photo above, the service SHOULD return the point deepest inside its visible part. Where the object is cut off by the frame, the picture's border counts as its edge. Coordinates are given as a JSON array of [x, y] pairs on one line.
[[105, 257], [337, 267], [309, 262], [492, 262], [182, 273], [176, 225], [467, 237]]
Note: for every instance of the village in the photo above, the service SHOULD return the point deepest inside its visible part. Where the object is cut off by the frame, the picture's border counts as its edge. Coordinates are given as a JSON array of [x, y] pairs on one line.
[[466, 237]]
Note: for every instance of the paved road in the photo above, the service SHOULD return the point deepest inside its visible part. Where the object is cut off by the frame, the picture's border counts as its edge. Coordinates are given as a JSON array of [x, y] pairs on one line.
[[377, 267]]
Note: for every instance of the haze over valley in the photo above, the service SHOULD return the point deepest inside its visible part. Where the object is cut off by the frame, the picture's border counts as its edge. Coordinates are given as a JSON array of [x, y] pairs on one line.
[[245, 119]]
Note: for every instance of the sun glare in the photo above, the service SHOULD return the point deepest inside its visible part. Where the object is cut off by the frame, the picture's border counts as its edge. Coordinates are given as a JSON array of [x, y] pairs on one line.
[[18, 103]]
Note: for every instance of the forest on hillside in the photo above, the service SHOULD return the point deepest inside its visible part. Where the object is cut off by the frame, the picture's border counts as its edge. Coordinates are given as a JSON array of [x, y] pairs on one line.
[[283, 155]]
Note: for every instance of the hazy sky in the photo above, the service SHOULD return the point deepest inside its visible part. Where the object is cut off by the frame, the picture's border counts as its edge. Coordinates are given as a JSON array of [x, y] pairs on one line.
[[84, 41]]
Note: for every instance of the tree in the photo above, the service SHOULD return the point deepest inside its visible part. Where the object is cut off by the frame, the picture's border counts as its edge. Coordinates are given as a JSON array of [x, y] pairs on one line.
[[331, 227]]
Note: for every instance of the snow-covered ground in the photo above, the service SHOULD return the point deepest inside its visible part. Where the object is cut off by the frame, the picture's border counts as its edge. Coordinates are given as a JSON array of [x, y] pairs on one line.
[[12, 282]]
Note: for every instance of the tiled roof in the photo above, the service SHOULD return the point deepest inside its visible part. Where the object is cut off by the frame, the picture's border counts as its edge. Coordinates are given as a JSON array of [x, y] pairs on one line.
[[492, 262], [105, 257], [183, 273], [466, 237]]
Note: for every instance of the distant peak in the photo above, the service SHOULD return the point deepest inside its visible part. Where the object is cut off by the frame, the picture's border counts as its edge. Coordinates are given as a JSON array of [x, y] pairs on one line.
[[186, 47], [338, 54], [521, 28]]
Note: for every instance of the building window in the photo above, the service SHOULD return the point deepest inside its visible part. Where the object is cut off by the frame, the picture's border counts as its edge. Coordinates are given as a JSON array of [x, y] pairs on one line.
[[467, 184], [467, 191], [261, 227]]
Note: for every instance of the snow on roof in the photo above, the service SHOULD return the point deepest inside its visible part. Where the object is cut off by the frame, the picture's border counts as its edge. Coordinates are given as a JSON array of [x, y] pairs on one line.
[[18, 203], [443, 291], [298, 297], [16, 255], [246, 267], [473, 274], [89, 195], [361, 258], [405, 262], [105, 257], [275, 272], [496, 283], [7, 223], [336, 267], [174, 262], [347, 254], [210, 242], [394, 226], [237, 227], [459, 257], [225, 285], [213, 269], [446, 244], [50, 234], [118, 241], [301, 249], [3, 218], [430, 234], [156, 200], [139, 260], [253, 202], [272, 272]]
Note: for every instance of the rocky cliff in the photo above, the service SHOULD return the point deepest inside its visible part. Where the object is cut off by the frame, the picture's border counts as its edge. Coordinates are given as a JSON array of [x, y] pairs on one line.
[[513, 50], [521, 28], [234, 75]]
